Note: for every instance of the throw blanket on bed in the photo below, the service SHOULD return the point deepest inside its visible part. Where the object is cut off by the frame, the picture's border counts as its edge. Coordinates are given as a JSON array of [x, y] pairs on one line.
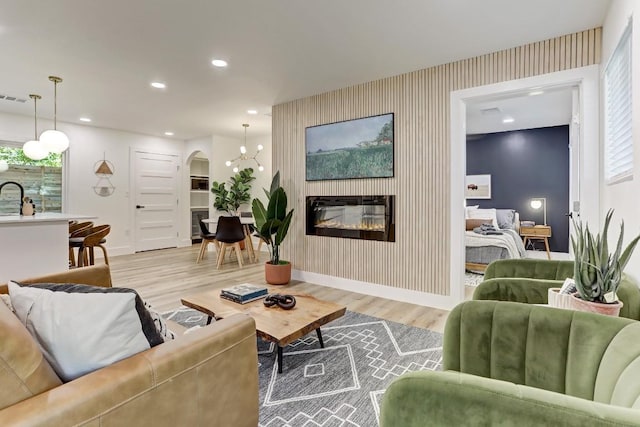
[[486, 229], [510, 240]]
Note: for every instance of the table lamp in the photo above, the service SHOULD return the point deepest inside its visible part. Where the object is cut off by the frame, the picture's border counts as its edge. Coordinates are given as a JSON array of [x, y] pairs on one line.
[[540, 202]]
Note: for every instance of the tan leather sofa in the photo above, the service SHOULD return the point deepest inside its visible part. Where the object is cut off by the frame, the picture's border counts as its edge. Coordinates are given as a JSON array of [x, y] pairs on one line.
[[206, 378]]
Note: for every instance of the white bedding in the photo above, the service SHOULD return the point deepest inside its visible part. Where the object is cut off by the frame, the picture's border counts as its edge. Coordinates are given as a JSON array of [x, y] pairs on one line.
[[510, 241]]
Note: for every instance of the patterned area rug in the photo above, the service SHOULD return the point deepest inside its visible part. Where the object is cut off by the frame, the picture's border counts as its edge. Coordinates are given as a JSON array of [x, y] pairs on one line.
[[472, 279], [343, 383]]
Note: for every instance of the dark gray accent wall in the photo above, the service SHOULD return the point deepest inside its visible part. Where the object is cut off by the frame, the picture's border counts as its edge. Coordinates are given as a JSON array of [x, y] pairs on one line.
[[525, 164]]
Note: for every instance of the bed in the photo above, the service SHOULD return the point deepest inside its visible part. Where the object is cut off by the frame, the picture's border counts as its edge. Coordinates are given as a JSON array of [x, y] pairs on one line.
[[481, 250]]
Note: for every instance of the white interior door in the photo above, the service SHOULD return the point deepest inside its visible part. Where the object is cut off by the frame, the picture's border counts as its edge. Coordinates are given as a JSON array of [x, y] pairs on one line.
[[573, 210], [156, 200]]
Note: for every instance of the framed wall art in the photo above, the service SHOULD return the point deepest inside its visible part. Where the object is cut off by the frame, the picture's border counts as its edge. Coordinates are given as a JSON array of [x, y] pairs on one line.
[[360, 148], [477, 187]]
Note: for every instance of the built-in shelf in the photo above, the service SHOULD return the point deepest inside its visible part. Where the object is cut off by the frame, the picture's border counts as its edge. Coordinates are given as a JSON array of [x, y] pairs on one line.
[[199, 194]]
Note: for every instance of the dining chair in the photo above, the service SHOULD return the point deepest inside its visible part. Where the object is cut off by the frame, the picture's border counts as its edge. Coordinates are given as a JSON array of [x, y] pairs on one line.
[[207, 237], [229, 233]]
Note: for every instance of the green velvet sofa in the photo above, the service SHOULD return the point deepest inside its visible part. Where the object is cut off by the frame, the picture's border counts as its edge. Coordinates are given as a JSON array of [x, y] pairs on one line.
[[512, 364], [527, 281]]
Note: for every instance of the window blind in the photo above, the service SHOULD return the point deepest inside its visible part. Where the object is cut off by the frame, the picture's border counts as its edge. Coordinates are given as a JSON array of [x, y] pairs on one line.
[[618, 112]]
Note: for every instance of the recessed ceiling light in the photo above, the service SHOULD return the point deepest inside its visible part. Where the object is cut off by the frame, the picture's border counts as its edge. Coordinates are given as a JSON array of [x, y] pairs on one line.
[[158, 85], [85, 119], [219, 63], [508, 120], [536, 92], [252, 111], [169, 133]]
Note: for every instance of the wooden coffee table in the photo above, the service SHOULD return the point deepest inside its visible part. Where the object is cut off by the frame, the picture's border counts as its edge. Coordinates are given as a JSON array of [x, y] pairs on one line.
[[273, 324]]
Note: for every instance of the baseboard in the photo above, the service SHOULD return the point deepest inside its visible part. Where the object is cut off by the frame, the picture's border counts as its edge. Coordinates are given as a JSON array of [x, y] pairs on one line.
[[444, 302]]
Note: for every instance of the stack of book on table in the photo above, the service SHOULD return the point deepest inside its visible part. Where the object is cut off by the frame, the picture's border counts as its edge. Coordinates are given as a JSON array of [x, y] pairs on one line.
[[243, 293]]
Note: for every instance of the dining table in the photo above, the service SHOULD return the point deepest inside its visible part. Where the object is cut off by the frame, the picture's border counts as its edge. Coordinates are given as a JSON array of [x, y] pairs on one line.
[[246, 221]]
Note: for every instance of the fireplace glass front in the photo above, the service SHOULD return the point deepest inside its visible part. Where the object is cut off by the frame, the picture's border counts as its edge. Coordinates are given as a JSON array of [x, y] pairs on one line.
[[351, 217]]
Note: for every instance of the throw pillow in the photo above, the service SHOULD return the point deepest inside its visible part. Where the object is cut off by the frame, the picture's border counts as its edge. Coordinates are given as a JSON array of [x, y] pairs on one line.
[[473, 223], [506, 218], [468, 208], [82, 328], [160, 324], [484, 214]]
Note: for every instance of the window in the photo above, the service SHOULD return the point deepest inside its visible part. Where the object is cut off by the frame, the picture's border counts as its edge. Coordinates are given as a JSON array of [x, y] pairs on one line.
[[618, 112], [41, 179]]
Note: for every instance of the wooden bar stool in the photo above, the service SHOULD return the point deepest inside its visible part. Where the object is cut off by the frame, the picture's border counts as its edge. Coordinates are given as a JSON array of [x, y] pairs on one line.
[[95, 238], [77, 232]]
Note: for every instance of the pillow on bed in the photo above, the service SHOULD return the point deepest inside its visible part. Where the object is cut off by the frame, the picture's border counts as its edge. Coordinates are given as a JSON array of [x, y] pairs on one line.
[[468, 208], [473, 223], [489, 215], [506, 218]]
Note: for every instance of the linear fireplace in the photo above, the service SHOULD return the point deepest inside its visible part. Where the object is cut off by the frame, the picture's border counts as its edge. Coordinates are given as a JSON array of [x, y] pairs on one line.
[[351, 217]]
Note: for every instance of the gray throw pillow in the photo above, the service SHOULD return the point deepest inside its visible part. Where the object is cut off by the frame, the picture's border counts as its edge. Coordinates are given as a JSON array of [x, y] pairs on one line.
[[506, 218]]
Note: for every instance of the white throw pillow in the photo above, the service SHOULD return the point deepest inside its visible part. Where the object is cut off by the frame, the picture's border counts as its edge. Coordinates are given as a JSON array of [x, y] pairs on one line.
[[83, 328], [489, 214], [469, 208]]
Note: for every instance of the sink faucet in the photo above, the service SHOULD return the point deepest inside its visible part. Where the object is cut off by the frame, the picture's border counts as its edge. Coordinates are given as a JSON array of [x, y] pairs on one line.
[[21, 192]]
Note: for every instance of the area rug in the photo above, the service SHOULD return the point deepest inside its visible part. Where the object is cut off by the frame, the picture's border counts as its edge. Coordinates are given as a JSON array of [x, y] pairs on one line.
[[472, 279], [343, 383]]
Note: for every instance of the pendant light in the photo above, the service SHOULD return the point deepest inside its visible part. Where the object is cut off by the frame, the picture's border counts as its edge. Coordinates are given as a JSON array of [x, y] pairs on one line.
[[54, 140], [35, 149], [243, 154]]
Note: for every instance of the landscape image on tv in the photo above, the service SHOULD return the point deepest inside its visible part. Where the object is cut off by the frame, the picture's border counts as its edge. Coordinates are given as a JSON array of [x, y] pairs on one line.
[[361, 148]]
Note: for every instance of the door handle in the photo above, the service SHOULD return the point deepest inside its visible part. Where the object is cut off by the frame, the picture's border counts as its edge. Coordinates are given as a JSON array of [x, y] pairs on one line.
[[139, 206], [570, 215]]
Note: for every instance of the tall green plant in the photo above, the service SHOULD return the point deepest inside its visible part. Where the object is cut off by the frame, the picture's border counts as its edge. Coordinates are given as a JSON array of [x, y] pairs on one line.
[[272, 223], [596, 271], [239, 191]]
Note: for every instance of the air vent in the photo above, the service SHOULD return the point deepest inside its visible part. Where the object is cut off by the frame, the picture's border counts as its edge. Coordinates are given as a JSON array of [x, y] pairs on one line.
[[490, 111], [12, 98]]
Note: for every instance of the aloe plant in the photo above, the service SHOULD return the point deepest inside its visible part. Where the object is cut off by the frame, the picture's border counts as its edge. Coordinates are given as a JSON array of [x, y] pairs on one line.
[[272, 223], [596, 271]]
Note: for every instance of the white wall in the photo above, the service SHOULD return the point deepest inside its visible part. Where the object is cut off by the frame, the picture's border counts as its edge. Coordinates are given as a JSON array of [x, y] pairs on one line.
[[87, 146], [90, 144], [623, 196]]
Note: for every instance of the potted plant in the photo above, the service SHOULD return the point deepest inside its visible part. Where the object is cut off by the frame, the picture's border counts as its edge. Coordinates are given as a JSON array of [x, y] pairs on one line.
[[272, 225], [239, 192], [597, 273]]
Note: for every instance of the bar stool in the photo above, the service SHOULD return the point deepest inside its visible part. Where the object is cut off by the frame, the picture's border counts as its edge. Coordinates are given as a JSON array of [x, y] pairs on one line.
[[77, 232], [95, 238]]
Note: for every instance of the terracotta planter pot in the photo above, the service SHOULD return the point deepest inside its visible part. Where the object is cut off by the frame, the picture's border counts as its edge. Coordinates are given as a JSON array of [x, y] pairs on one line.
[[611, 309], [277, 274]]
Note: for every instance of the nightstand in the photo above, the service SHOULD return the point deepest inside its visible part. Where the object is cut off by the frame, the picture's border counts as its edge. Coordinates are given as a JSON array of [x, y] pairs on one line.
[[537, 232]]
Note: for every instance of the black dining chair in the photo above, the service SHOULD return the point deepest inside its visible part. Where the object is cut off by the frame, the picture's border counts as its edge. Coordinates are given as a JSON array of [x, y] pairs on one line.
[[207, 237], [229, 233]]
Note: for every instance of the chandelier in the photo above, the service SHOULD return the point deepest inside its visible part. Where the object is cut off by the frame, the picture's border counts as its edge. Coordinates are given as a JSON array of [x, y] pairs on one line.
[[243, 154]]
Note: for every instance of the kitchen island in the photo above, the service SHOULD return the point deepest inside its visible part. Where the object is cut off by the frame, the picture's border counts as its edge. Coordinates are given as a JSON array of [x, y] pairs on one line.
[[34, 245]]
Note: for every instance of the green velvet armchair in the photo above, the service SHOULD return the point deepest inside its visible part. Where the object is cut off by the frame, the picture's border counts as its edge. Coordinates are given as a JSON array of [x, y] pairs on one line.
[[512, 364], [527, 281]]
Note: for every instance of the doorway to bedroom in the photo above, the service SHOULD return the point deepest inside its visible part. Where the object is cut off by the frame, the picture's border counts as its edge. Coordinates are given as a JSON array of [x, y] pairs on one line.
[[509, 174]]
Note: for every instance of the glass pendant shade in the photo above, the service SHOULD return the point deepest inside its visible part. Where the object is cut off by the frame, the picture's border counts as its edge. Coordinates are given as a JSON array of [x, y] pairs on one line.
[[54, 141], [35, 150]]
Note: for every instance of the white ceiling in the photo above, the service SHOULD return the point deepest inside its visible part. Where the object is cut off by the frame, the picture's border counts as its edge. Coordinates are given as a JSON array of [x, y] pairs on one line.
[[550, 108], [108, 52]]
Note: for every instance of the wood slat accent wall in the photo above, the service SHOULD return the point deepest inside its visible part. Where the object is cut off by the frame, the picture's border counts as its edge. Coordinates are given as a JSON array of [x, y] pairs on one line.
[[419, 259]]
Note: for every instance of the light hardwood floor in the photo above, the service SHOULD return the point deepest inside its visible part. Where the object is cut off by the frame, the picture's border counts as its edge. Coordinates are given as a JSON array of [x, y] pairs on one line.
[[162, 277]]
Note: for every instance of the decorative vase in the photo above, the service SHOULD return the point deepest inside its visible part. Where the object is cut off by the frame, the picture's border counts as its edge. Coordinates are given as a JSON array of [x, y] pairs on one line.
[[608, 309], [277, 274], [558, 300]]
